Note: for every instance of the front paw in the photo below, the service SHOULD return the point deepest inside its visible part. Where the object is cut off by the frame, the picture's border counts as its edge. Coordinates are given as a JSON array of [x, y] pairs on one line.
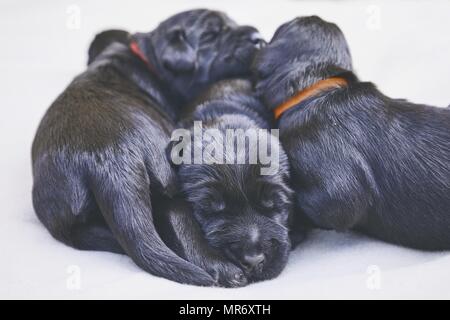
[[227, 274]]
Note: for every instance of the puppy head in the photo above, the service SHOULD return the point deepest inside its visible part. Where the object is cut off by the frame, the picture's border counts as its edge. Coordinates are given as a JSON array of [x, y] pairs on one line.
[[301, 52], [243, 213], [195, 48]]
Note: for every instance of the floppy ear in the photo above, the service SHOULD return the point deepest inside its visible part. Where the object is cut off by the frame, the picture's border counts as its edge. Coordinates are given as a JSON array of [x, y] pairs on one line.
[[103, 39], [179, 61], [179, 56]]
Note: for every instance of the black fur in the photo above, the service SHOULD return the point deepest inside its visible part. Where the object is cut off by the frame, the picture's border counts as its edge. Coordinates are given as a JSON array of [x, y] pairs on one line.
[[243, 214], [105, 39], [99, 163], [360, 160], [226, 51]]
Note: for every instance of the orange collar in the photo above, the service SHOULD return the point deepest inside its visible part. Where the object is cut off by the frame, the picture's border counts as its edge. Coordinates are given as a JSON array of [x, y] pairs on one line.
[[316, 88]]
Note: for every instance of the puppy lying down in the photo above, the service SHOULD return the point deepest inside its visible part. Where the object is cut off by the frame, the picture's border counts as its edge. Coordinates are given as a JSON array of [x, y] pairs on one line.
[[101, 179], [360, 160], [240, 200]]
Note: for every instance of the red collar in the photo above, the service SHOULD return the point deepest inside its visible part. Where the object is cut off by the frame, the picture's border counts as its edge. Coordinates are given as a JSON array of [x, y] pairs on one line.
[[134, 47]]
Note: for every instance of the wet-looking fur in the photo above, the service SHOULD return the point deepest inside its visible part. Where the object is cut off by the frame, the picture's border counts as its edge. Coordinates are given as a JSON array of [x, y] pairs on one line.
[[100, 172], [243, 213], [360, 160]]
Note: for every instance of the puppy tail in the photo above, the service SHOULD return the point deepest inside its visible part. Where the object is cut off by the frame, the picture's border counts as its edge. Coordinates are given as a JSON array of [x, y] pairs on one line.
[[123, 196]]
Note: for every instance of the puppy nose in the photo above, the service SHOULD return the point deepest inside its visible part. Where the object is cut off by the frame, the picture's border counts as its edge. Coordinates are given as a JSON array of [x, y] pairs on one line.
[[250, 34], [256, 39], [253, 261]]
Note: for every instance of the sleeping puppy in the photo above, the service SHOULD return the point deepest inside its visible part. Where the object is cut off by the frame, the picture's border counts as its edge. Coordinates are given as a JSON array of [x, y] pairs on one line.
[[242, 209], [99, 163], [360, 160]]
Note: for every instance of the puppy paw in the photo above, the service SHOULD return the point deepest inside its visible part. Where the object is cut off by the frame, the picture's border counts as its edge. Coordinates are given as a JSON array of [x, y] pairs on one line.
[[227, 274]]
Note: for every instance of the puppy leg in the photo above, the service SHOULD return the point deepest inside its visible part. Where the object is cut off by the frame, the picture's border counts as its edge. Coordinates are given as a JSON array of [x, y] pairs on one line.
[[338, 193], [333, 209], [121, 187], [181, 232], [95, 237], [340, 201], [66, 207]]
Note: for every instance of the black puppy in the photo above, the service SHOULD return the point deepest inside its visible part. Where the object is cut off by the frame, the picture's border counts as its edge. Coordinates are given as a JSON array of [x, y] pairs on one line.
[[360, 160], [99, 163], [242, 209]]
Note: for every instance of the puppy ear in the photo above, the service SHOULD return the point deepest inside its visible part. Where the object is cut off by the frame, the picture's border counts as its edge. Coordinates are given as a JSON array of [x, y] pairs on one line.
[[179, 62], [179, 56], [103, 39]]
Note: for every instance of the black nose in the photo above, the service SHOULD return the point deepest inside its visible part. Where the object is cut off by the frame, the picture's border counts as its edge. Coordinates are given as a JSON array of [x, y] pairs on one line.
[[254, 261], [250, 34], [257, 40]]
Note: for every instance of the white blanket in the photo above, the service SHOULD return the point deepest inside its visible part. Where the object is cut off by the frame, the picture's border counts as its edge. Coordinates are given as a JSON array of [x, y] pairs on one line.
[[402, 46]]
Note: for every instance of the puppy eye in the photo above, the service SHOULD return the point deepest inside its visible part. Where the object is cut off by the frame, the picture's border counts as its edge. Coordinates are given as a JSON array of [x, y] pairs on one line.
[[209, 36]]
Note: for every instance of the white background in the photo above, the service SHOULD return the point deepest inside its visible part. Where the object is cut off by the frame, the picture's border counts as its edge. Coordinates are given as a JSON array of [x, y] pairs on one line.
[[402, 46]]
